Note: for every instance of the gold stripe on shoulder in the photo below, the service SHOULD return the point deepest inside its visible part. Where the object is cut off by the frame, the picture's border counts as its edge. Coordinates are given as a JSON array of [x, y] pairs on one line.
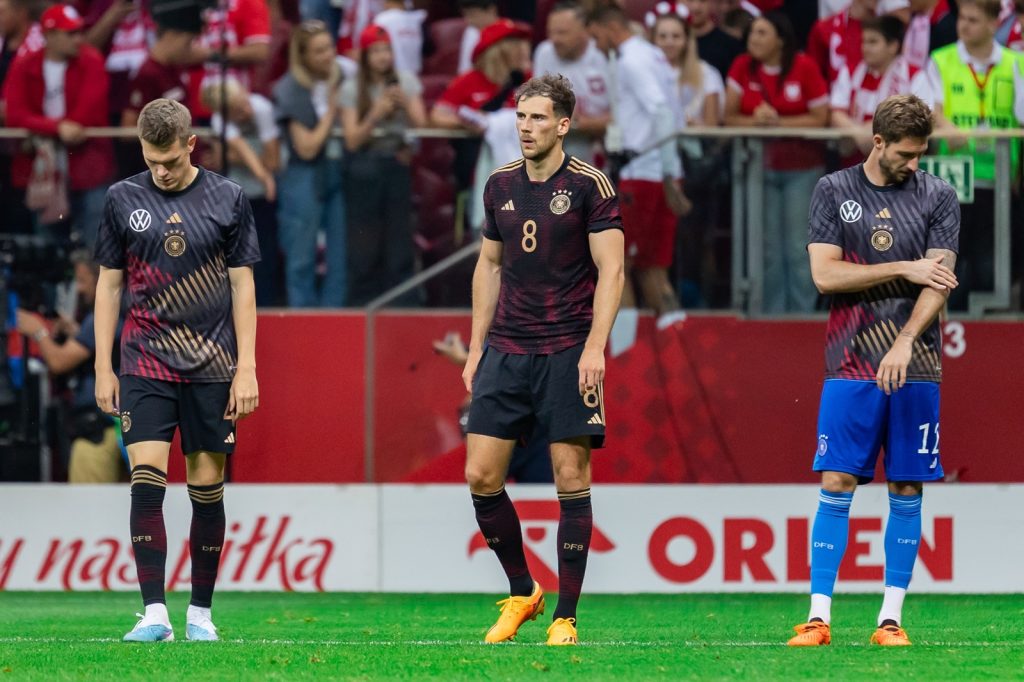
[[600, 178], [508, 167], [604, 185]]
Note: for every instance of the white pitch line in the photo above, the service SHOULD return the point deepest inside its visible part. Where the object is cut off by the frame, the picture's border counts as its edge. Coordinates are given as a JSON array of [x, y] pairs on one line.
[[450, 643]]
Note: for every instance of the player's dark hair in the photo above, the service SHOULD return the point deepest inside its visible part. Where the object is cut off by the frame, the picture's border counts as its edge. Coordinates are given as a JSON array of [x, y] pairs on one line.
[[991, 8], [608, 14], [163, 121], [555, 87], [891, 28], [784, 29], [900, 117]]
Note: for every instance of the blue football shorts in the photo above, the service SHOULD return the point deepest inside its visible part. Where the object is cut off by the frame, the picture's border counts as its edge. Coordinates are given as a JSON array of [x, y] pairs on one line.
[[857, 419]]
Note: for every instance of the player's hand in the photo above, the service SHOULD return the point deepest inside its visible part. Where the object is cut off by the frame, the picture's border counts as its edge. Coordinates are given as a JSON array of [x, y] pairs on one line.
[[892, 372], [108, 393], [591, 368], [676, 200], [930, 272], [245, 395], [469, 371]]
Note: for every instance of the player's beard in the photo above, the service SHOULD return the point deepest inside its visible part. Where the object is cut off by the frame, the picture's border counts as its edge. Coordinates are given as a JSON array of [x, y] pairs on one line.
[[893, 176]]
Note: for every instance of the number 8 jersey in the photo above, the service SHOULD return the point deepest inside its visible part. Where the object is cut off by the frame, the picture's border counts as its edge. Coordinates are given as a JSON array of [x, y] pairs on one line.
[[548, 276]]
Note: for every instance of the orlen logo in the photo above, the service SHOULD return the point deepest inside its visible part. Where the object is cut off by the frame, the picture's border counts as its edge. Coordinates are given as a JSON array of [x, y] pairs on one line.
[[537, 518]]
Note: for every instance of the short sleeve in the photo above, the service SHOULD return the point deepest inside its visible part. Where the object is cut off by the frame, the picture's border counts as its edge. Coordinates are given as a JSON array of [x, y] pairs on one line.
[[217, 126], [347, 94], [842, 91], [823, 224], [457, 93], [110, 240], [87, 333], [252, 23], [814, 86], [242, 247], [490, 229], [738, 75], [944, 222], [603, 207], [935, 82], [921, 86], [285, 100], [410, 84], [263, 114]]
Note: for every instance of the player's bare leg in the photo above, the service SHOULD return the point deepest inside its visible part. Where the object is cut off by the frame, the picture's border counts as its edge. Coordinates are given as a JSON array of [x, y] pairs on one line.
[[828, 544], [902, 540], [149, 538], [205, 475], [487, 460], [570, 460]]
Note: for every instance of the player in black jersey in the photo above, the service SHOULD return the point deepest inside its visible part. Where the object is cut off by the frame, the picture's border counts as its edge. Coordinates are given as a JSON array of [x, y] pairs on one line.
[[545, 293], [181, 240]]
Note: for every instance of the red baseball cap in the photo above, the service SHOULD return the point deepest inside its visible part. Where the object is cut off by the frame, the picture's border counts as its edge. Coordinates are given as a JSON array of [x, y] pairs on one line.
[[61, 18], [499, 31], [372, 35]]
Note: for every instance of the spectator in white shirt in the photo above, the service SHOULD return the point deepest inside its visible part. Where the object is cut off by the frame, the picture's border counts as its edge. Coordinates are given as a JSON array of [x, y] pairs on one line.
[[479, 14], [650, 189], [700, 88], [405, 28], [569, 51]]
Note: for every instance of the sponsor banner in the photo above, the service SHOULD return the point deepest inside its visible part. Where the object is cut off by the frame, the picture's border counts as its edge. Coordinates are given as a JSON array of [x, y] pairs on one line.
[[424, 538], [279, 538]]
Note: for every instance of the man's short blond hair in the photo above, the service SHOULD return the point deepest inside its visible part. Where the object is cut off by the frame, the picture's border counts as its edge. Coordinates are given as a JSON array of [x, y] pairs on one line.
[[163, 121]]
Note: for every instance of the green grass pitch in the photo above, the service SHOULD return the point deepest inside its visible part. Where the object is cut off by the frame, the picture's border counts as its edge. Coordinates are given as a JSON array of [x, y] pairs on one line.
[[76, 636]]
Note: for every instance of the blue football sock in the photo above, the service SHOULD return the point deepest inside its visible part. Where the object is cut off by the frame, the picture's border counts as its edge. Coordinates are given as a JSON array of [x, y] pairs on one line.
[[828, 540], [902, 538]]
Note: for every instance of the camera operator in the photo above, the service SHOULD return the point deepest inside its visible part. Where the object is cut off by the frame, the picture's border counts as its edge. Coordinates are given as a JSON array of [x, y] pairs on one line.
[[95, 448]]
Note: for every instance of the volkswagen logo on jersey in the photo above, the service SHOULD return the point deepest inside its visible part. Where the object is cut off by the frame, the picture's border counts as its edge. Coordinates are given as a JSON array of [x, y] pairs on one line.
[[561, 202], [881, 240], [139, 220], [850, 211]]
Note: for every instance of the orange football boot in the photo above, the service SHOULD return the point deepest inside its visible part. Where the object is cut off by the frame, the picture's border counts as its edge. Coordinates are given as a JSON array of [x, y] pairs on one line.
[[563, 632], [890, 635], [514, 612], [815, 633]]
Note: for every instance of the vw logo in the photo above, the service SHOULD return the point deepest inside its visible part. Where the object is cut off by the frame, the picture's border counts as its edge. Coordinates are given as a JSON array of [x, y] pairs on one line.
[[140, 219], [850, 211]]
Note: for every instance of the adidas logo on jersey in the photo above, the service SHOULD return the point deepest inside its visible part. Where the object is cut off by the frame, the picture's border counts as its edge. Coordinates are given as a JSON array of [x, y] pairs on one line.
[[174, 219], [509, 206], [596, 420], [884, 213], [230, 440]]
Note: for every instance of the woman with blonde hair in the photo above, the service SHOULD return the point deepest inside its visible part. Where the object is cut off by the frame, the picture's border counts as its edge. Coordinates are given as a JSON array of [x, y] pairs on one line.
[[310, 196], [701, 90]]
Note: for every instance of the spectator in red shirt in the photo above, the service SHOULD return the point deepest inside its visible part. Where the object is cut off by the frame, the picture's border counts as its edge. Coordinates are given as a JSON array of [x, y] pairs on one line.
[[56, 93], [882, 73], [1011, 29], [501, 63], [16, 18], [835, 40], [242, 33], [120, 29], [162, 75], [775, 86]]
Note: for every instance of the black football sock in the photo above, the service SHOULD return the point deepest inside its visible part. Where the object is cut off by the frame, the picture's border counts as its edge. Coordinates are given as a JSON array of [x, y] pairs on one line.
[[499, 522], [149, 537], [574, 529], [205, 540]]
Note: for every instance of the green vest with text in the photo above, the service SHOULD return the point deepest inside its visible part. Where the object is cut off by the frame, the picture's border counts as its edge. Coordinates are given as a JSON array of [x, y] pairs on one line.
[[964, 102]]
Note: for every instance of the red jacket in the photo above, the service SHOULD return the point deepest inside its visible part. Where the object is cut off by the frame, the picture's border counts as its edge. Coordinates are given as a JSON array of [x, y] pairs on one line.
[[86, 84]]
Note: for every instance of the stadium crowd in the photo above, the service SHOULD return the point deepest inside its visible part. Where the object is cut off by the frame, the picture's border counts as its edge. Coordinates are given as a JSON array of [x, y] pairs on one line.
[[343, 219]]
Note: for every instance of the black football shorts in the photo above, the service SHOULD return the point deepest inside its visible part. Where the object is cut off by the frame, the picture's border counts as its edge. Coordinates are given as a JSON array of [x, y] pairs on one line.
[[513, 393], [152, 409]]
